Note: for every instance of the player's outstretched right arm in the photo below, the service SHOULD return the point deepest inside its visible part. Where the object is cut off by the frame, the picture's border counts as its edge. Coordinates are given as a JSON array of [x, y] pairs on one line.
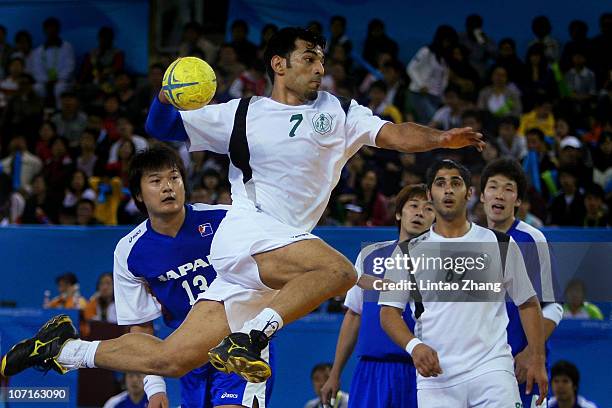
[[424, 357], [164, 121]]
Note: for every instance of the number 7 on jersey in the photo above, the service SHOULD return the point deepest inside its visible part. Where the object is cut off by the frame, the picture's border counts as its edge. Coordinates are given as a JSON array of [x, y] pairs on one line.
[[298, 119]]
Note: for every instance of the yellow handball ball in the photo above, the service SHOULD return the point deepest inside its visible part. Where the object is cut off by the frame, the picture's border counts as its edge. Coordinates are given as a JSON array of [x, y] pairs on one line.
[[189, 83]]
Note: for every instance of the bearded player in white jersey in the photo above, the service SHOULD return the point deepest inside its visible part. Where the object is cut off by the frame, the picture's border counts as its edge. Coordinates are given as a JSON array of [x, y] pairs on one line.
[[286, 154]]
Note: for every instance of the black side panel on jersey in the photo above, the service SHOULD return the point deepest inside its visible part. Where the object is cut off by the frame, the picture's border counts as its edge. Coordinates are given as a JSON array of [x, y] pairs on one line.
[[239, 145], [502, 241], [418, 298], [345, 103]]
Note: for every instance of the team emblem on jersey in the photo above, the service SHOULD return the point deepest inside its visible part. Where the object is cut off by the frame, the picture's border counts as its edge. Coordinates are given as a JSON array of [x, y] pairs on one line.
[[322, 123], [205, 229]]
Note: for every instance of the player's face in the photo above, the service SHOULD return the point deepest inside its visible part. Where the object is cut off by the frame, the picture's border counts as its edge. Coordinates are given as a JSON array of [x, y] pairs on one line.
[[133, 383], [449, 194], [417, 215], [500, 198], [304, 70], [162, 192], [562, 387]]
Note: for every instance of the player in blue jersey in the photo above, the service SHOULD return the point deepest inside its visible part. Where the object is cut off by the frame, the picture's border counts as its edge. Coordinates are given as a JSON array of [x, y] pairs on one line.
[[132, 397], [503, 185], [385, 376], [162, 266]]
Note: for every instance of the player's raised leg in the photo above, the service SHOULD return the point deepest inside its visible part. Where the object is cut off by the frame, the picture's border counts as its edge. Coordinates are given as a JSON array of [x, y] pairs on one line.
[[184, 350]]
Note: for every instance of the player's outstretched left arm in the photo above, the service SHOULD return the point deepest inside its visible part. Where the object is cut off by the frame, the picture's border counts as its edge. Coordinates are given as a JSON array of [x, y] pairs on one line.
[[411, 137], [531, 319]]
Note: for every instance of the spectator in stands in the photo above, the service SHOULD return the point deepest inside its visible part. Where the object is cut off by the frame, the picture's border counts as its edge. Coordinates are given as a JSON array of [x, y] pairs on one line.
[[602, 159], [53, 62], [524, 214], [70, 121], [335, 74], [337, 36], [118, 166], [462, 74], [77, 189], [507, 58], [58, 169], [539, 166], [87, 161], [578, 31], [126, 93], [146, 93], [381, 59], [85, 213], [46, 134], [501, 98], [511, 144], [542, 30], [581, 83], [112, 111], [125, 131], [428, 71], [373, 203], [562, 129], [596, 213], [397, 90], [5, 51], [541, 117], [101, 305], [39, 209], [318, 376], [210, 182], [6, 192], [481, 48], [266, 33], [379, 104], [228, 64], [449, 115], [102, 63], [377, 42], [572, 154], [564, 381], [20, 164], [576, 306], [224, 197], [539, 80], [245, 49], [252, 82], [602, 44], [201, 195], [24, 110], [10, 85], [195, 44], [23, 49], [567, 208], [316, 27], [69, 294], [134, 396]]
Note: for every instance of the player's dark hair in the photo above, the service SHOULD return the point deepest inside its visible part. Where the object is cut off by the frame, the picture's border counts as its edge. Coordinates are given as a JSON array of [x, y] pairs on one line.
[[506, 167], [563, 367], [406, 194], [282, 44], [448, 164], [319, 367], [156, 157]]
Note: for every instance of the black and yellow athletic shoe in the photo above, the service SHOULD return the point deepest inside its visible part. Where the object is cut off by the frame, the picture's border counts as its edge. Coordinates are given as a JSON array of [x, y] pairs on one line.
[[240, 353], [41, 351]]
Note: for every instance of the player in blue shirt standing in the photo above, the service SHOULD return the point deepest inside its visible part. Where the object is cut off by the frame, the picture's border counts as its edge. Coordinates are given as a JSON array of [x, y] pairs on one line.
[[503, 185], [385, 376]]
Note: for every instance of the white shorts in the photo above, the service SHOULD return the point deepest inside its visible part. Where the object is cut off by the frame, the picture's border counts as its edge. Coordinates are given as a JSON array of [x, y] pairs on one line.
[[241, 304], [495, 389], [244, 233]]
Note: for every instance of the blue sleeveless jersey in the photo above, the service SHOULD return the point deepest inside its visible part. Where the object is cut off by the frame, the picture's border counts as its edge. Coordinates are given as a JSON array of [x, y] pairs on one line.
[[178, 269], [373, 342]]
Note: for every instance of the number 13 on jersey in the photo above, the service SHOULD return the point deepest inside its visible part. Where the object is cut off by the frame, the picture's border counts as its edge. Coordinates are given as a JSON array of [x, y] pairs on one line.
[[199, 282]]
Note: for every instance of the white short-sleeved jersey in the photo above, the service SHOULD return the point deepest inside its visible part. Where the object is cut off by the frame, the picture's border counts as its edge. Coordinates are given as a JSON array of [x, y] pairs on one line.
[[469, 336], [291, 157]]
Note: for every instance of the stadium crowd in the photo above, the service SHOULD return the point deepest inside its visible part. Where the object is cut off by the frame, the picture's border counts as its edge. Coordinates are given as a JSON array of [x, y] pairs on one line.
[[69, 126]]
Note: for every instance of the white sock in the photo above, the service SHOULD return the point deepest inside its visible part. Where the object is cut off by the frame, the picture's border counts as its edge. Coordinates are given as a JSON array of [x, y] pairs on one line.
[[268, 321], [78, 354]]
